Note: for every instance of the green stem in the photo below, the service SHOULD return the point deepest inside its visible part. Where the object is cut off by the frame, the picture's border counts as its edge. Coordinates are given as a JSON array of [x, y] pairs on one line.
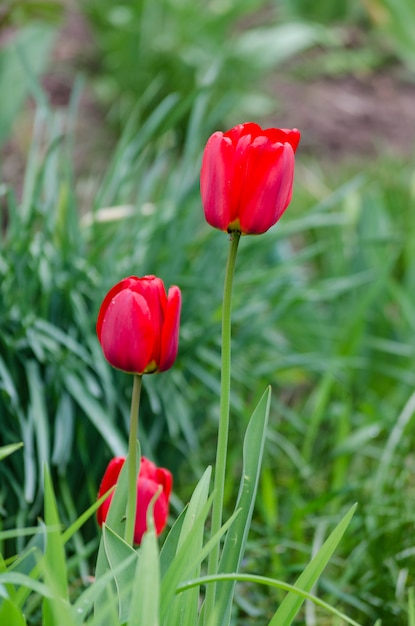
[[222, 444], [132, 462]]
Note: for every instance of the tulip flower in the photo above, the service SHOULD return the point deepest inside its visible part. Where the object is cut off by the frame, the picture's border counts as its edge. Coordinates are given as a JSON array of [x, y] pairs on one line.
[[150, 479], [247, 176], [138, 325]]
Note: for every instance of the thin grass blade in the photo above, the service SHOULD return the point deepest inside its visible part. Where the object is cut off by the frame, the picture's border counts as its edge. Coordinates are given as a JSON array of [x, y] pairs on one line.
[[292, 603]]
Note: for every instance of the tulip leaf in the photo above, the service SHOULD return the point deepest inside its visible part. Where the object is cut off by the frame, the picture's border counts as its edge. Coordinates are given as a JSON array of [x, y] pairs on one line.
[[179, 568], [10, 614], [185, 562], [56, 608], [169, 547], [145, 601], [54, 559], [186, 605], [102, 595], [118, 551], [236, 538], [292, 603]]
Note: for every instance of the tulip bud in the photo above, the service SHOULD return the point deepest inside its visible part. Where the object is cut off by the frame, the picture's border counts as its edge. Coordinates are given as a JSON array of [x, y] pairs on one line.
[[150, 479], [138, 325], [247, 176]]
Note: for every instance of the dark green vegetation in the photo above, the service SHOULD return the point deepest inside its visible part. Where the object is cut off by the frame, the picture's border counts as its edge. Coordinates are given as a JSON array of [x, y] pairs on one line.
[[324, 304]]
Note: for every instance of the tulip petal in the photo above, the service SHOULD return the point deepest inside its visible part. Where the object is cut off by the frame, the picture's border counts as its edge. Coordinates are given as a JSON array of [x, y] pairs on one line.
[[215, 180], [149, 481], [165, 479], [152, 290], [249, 128], [284, 135], [126, 332], [108, 480], [148, 469], [146, 490], [268, 186], [170, 330], [241, 173], [246, 184], [126, 283]]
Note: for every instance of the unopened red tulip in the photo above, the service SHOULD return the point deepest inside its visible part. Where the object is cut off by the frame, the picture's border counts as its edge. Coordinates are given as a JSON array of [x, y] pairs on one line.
[[246, 177], [138, 325], [150, 479]]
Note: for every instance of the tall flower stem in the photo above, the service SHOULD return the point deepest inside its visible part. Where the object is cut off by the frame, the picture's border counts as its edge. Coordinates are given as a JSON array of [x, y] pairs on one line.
[[222, 443], [132, 462]]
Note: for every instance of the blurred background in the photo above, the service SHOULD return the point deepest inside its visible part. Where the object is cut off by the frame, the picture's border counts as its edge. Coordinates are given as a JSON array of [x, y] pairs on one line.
[[104, 112]]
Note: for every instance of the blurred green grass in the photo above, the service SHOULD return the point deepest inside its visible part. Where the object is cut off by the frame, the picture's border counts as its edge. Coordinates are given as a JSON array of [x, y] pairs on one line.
[[324, 310]]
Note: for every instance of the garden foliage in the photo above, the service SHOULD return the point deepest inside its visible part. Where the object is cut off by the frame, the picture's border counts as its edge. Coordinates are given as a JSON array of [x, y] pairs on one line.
[[323, 311]]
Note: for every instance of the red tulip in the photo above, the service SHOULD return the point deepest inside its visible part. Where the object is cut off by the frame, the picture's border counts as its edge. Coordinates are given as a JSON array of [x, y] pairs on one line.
[[138, 325], [150, 478], [247, 176]]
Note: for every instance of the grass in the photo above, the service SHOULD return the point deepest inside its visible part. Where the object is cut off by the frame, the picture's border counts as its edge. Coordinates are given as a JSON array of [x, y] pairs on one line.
[[329, 322], [344, 434]]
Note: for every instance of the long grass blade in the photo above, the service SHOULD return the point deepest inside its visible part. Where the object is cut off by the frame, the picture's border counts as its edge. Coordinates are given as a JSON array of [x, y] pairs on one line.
[[292, 603]]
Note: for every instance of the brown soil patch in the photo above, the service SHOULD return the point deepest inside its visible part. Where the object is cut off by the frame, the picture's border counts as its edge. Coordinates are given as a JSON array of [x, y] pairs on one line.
[[349, 117]]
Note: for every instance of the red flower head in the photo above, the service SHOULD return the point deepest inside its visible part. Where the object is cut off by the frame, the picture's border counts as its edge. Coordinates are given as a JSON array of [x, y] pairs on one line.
[[247, 177], [138, 325], [150, 478]]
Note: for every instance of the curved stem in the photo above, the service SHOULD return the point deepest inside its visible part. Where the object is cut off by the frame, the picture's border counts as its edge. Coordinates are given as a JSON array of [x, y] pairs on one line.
[[132, 462], [222, 443]]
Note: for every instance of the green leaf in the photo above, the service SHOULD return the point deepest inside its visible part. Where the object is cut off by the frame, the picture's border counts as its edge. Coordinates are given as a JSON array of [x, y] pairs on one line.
[[185, 561], [55, 553], [10, 614], [6, 591], [411, 606], [272, 583], [185, 607], [291, 604], [39, 415], [102, 595], [145, 601], [7, 384], [236, 538], [18, 579], [28, 560], [54, 563], [118, 551], [7, 450], [171, 542], [96, 414], [182, 564]]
